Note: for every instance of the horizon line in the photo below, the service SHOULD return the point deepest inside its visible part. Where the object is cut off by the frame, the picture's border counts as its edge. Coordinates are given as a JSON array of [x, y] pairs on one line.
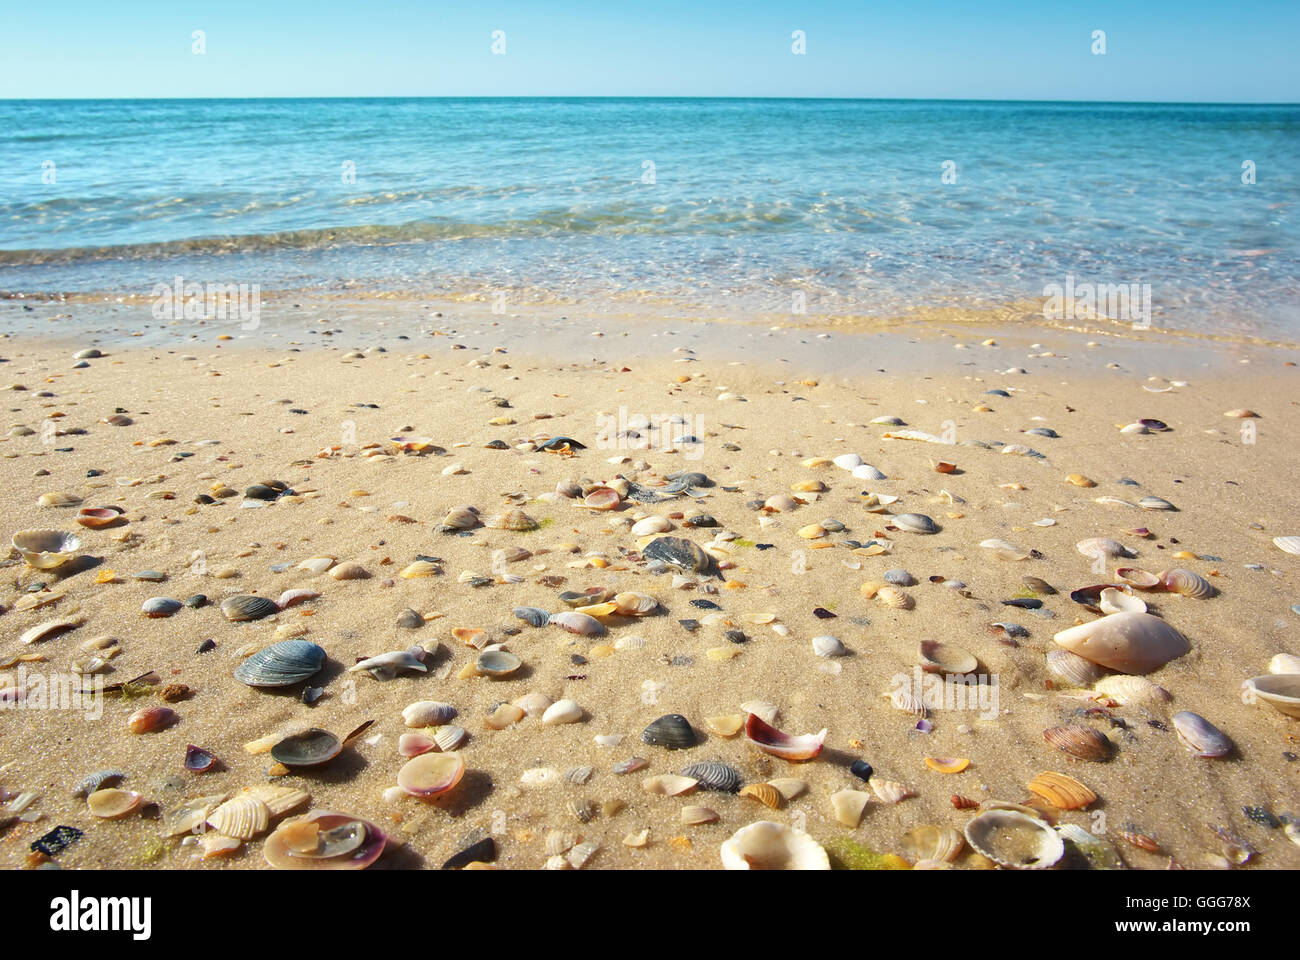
[[589, 96]]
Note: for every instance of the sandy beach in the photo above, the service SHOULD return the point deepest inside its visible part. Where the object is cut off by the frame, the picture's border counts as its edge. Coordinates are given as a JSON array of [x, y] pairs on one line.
[[209, 406]]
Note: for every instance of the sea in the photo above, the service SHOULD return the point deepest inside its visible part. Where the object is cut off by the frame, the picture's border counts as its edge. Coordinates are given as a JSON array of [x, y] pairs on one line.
[[872, 208]]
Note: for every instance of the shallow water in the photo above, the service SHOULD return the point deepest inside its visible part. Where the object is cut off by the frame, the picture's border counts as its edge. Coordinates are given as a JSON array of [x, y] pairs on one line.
[[741, 205]]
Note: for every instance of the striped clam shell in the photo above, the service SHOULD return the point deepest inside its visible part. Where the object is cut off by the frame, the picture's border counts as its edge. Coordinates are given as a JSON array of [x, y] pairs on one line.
[[1288, 544], [1187, 583], [1060, 791], [714, 775], [1155, 503], [428, 713], [899, 578], [98, 780], [890, 791], [933, 843], [896, 598], [766, 794], [281, 664], [513, 519], [914, 523], [908, 702], [448, 737], [246, 606], [1132, 691], [1080, 742], [242, 817], [535, 616]]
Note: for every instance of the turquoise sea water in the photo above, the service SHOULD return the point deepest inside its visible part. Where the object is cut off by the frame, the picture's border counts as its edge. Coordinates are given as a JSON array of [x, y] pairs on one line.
[[726, 203]]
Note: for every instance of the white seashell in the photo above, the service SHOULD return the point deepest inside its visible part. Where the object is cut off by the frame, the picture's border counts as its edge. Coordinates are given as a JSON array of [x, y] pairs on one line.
[[651, 525], [1095, 547], [1130, 690], [1126, 642], [534, 704], [1115, 601], [448, 737], [562, 711], [766, 845], [580, 854], [828, 646], [767, 712], [427, 713], [847, 461], [1284, 663], [1072, 668], [317, 564], [866, 471], [669, 784], [242, 817], [849, 806], [1288, 544], [1281, 691], [890, 791]]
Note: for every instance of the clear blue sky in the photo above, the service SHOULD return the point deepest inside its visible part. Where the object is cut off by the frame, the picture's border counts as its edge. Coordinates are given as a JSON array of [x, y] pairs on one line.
[[1016, 49]]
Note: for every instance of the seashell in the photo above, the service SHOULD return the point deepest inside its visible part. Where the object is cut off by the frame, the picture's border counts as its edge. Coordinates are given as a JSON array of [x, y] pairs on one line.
[[1071, 667], [865, 471], [57, 499], [1060, 791], [160, 607], [579, 855], [601, 498], [680, 553], [1200, 736], [247, 606], [281, 664], [316, 564], [512, 519], [148, 719], [504, 715], [427, 713], [532, 615], [651, 525], [849, 805], [1135, 691], [714, 775], [449, 736], [933, 843], [420, 569], [1284, 663], [828, 646], [908, 702], [562, 711], [471, 637], [1095, 547], [409, 619], [764, 793], [766, 845], [1187, 583], [1155, 503], [1137, 577], [48, 628], [291, 598], [497, 663], [311, 748], [459, 518], [112, 804], [386, 666], [1281, 691], [780, 503], [242, 817], [414, 744], [633, 604], [813, 531], [580, 623], [349, 570], [1126, 642], [694, 816], [1082, 743], [534, 704], [1110, 600], [896, 598], [430, 774], [669, 784], [1015, 840], [46, 549], [598, 609], [95, 518], [771, 740], [96, 781], [914, 523], [198, 760], [1288, 544], [725, 726], [899, 578], [890, 791], [766, 711], [671, 731], [947, 764], [847, 461], [324, 840], [569, 488], [939, 657], [1002, 550]]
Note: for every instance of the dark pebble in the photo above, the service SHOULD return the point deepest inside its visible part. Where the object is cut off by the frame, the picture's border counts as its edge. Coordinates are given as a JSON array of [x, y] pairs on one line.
[[821, 613], [577, 659], [196, 601], [862, 770]]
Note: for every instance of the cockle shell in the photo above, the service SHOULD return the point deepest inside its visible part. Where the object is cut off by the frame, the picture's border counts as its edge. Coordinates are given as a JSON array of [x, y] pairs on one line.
[[1127, 642], [1200, 736], [1080, 742], [449, 736], [1014, 840], [766, 845], [828, 646], [1288, 544], [1095, 547], [1129, 690], [460, 518], [771, 740], [1284, 663], [1061, 791], [896, 598], [632, 604], [933, 843], [419, 569], [512, 519], [281, 664], [890, 791], [46, 549], [246, 606], [714, 775], [764, 793], [1072, 668], [580, 623], [242, 817], [1188, 583]]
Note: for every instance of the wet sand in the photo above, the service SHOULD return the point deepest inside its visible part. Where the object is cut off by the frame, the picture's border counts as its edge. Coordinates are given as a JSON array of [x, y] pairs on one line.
[[798, 394]]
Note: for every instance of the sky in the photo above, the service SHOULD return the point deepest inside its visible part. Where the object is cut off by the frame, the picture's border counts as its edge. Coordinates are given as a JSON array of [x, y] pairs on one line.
[[1156, 50]]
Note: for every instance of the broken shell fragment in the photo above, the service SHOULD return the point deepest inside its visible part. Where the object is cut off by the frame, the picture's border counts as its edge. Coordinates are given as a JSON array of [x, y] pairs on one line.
[[771, 740], [46, 549], [242, 817], [148, 719], [849, 806]]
